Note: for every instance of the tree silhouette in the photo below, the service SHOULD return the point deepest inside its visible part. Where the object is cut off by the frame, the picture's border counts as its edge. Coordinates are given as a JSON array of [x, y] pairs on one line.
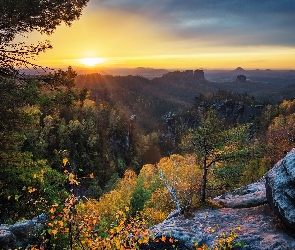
[[18, 17]]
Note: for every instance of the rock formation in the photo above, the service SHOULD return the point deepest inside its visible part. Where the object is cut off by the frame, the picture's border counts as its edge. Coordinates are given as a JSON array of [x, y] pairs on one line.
[[256, 227], [245, 211], [241, 79], [199, 75], [187, 75], [236, 111], [21, 234], [244, 197], [280, 186]]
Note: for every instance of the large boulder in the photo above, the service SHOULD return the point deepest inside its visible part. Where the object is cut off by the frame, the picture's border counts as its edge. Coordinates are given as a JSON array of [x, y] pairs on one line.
[[280, 189], [7, 238]]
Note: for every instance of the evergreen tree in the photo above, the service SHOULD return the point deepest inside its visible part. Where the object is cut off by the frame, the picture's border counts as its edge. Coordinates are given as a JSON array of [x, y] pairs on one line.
[[139, 196], [214, 144]]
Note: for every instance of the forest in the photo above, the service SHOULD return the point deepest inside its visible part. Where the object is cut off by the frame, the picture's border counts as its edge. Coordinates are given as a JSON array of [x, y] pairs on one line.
[[107, 157], [66, 149]]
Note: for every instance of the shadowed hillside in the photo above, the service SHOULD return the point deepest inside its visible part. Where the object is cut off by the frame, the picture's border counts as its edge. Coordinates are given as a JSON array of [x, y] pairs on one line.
[[151, 100]]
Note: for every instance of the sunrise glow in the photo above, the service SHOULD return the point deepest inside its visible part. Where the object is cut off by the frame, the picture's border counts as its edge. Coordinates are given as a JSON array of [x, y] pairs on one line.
[[146, 35], [91, 61]]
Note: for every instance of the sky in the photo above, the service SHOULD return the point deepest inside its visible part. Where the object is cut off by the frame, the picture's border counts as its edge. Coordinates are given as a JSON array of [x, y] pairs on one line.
[[177, 34]]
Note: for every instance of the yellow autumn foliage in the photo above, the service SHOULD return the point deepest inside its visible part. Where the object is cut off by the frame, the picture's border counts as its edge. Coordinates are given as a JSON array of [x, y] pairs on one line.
[[116, 200], [183, 175], [82, 223], [107, 223], [281, 136], [148, 174]]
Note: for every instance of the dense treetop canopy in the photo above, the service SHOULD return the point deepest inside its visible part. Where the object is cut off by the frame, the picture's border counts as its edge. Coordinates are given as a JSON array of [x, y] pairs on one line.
[[22, 16], [19, 16]]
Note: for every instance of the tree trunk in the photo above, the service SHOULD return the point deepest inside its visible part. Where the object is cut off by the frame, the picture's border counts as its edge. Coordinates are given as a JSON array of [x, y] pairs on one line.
[[172, 192], [204, 183]]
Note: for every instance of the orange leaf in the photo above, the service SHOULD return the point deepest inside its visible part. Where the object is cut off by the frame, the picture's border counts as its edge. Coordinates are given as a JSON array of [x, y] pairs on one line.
[[91, 175], [52, 210], [54, 231], [65, 161], [31, 189]]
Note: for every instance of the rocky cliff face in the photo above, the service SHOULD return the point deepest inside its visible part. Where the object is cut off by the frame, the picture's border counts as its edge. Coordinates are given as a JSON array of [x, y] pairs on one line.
[[233, 111], [230, 110], [262, 215], [188, 75]]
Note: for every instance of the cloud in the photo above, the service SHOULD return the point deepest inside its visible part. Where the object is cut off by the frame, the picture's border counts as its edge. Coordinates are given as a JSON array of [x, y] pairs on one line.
[[216, 22]]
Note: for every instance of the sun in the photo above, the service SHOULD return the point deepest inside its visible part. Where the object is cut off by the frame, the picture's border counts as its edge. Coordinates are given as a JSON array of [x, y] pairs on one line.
[[91, 61]]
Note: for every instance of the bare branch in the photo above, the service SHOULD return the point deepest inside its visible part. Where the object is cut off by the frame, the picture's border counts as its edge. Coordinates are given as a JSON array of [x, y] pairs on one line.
[[172, 192]]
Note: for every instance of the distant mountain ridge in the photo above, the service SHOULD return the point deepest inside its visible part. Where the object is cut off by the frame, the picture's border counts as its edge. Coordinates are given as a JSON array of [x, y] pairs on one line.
[[265, 85], [151, 99], [239, 71]]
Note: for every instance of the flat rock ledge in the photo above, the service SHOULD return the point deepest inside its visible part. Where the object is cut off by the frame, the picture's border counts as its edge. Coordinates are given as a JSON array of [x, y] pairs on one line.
[[251, 195]]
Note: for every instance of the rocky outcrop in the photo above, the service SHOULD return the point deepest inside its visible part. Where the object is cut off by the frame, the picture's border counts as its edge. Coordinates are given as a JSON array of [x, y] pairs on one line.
[[255, 227], [21, 234], [258, 225], [234, 111], [280, 187], [247, 196], [199, 75], [241, 79], [187, 75]]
